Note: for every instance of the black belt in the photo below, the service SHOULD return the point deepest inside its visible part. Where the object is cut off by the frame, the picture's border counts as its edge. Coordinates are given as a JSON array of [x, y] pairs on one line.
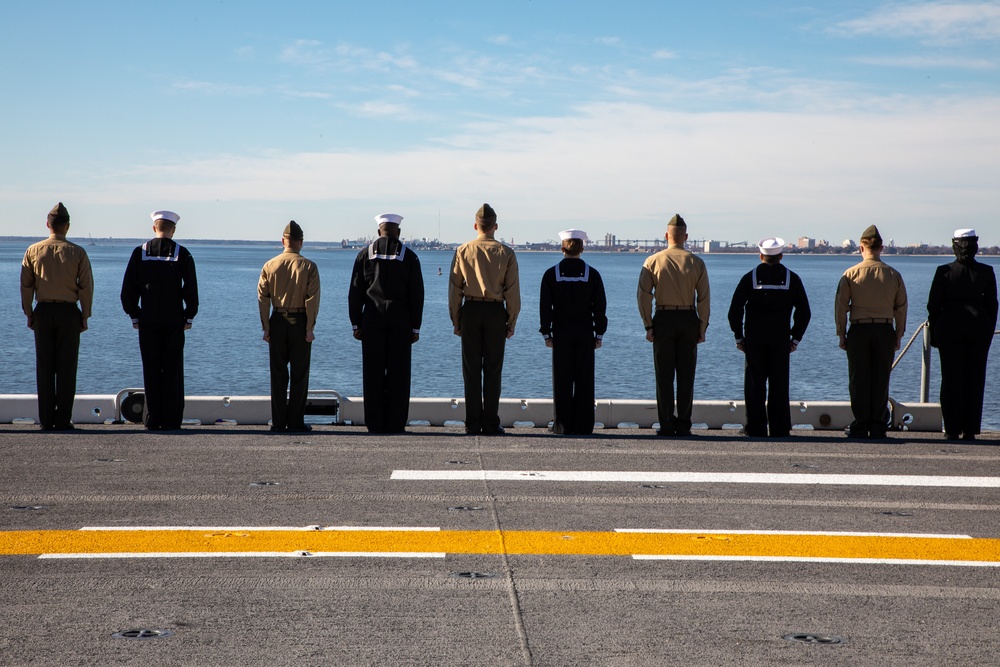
[[54, 301], [873, 320], [289, 310], [675, 307], [484, 299]]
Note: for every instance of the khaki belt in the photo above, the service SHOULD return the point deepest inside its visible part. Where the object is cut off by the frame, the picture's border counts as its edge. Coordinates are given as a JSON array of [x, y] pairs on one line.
[[675, 307], [289, 310], [873, 320], [482, 298]]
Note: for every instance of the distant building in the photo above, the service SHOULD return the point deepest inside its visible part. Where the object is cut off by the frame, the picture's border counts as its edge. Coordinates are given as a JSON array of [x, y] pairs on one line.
[[848, 243], [806, 243], [713, 246]]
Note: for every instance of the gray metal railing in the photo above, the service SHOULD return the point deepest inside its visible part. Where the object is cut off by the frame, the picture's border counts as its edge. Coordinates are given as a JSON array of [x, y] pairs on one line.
[[925, 359]]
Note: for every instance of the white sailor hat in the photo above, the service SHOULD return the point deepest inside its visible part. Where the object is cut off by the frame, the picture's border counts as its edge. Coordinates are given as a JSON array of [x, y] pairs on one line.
[[388, 218], [964, 233], [165, 215], [567, 234], [771, 246]]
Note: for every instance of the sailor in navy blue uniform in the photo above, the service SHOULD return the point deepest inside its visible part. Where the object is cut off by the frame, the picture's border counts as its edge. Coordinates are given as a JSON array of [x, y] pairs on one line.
[[572, 312], [386, 302], [160, 294], [962, 314], [767, 335]]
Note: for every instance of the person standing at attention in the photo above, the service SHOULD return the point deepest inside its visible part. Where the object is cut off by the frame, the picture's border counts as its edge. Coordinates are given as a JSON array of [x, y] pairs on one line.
[[55, 275], [766, 297], [386, 304], [572, 308], [873, 297], [484, 300], [160, 294], [962, 314], [288, 299], [677, 282]]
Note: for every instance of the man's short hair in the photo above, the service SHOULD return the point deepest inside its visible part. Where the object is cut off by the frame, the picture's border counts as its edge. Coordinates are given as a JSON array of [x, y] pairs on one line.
[[870, 238], [572, 246]]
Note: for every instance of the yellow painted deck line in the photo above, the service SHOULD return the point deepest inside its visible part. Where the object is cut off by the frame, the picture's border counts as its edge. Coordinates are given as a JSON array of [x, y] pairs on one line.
[[609, 543]]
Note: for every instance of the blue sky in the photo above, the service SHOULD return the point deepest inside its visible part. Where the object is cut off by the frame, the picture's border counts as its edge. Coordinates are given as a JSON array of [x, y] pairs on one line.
[[749, 118]]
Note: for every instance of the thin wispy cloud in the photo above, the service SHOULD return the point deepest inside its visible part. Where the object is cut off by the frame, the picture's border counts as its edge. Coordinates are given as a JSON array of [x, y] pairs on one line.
[[934, 21], [380, 109], [927, 62], [215, 88], [305, 52], [663, 54]]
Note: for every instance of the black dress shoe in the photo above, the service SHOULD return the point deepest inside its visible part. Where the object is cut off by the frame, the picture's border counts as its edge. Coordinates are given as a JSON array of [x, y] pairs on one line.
[[856, 433], [305, 428], [494, 431], [665, 432], [686, 433], [969, 436]]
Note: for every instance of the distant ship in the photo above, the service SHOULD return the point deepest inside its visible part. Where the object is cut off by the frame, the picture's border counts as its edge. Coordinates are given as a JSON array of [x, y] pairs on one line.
[[356, 244]]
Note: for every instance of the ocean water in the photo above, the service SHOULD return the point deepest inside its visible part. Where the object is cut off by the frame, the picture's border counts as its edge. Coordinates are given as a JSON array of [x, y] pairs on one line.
[[224, 353]]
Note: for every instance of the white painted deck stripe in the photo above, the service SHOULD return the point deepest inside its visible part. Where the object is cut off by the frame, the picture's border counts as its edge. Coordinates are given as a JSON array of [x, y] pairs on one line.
[[309, 529], [686, 531], [850, 561], [251, 554], [695, 477]]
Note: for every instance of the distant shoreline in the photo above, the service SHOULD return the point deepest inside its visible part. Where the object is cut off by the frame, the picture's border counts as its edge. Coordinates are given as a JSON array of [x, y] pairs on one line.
[[922, 251]]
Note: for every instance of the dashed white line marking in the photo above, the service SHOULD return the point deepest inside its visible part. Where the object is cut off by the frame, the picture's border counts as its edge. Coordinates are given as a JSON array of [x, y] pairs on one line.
[[806, 559], [695, 477], [686, 531]]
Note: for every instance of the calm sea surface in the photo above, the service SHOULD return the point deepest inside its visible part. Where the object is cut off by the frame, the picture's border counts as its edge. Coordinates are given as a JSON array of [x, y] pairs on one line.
[[224, 353]]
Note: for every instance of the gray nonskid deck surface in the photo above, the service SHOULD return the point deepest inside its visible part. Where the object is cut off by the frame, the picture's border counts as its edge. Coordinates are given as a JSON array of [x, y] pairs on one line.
[[539, 609]]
